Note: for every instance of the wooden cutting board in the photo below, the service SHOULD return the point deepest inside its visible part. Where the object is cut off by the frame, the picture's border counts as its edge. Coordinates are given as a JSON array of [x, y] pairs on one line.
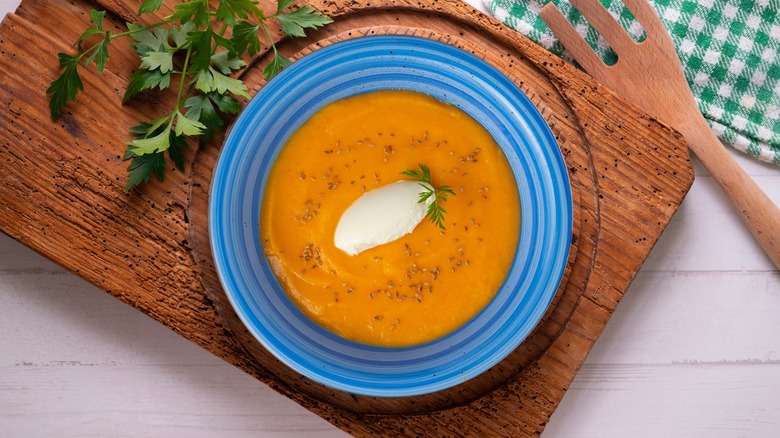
[[61, 193]]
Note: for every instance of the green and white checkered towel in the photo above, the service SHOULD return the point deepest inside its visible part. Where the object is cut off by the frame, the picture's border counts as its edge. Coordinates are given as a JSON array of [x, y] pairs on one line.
[[729, 50]]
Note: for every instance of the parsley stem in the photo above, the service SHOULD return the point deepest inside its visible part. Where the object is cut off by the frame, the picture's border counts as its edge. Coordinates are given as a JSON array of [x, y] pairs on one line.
[[87, 50], [183, 77], [439, 194], [223, 29], [270, 38]]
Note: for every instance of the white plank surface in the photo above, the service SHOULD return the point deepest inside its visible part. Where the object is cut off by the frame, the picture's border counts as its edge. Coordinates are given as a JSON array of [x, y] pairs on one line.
[[693, 349]]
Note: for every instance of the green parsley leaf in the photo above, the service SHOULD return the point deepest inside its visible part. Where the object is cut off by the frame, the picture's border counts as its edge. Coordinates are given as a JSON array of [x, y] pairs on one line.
[[245, 38], [100, 54], [201, 49], [294, 22], [88, 33], [147, 41], [229, 10], [176, 151], [225, 13], [142, 168], [150, 145], [212, 80], [66, 87], [436, 211], [144, 79], [226, 62], [424, 195], [225, 84], [97, 18], [221, 41], [152, 128], [282, 5], [424, 174], [196, 11], [225, 103], [277, 64], [179, 34], [202, 110], [149, 6], [141, 129], [162, 61], [185, 126]]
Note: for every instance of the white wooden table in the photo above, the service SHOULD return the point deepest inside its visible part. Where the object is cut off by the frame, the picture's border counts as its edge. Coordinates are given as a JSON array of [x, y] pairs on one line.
[[692, 350]]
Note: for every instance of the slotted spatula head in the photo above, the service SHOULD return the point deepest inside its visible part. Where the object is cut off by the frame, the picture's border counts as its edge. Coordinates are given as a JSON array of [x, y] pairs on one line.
[[649, 74]]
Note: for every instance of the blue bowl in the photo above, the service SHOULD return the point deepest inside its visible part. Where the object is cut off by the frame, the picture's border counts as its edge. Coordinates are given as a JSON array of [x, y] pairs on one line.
[[358, 66]]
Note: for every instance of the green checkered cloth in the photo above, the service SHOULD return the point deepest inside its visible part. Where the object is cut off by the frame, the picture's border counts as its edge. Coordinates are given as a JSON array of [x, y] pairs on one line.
[[728, 48]]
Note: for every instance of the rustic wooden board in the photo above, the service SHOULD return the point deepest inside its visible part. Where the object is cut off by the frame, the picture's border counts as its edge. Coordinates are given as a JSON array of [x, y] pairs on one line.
[[61, 194]]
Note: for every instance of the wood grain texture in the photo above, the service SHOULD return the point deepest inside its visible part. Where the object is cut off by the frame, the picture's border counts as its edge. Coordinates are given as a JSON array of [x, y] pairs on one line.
[[61, 194]]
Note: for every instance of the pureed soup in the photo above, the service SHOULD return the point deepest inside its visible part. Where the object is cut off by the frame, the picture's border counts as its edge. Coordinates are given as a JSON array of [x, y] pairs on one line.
[[423, 285]]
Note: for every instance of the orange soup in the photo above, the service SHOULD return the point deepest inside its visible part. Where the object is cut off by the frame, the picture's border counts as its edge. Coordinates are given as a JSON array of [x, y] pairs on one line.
[[423, 285]]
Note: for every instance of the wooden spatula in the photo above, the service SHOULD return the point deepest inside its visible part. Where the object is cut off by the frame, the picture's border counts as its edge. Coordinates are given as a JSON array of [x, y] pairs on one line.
[[649, 74]]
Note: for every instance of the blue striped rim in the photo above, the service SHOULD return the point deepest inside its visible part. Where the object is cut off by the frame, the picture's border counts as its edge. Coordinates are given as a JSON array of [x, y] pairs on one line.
[[358, 66]]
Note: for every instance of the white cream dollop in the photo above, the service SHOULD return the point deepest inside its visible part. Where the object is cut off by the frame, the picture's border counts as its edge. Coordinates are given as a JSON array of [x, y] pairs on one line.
[[381, 216]]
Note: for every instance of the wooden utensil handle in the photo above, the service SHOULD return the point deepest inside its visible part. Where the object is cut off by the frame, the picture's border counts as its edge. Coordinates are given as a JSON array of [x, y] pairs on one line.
[[758, 211]]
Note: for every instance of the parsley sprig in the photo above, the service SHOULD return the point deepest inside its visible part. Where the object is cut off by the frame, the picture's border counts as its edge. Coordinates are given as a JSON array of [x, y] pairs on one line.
[[439, 194], [195, 49]]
